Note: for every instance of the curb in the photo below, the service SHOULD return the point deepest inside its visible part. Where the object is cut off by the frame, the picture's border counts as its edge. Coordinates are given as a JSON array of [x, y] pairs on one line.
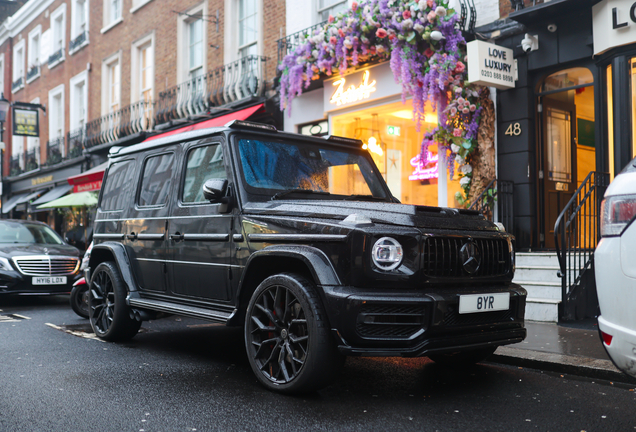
[[561, 363]]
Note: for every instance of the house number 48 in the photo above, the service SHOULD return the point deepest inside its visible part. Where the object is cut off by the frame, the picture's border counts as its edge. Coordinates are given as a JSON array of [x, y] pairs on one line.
[[514, 129]]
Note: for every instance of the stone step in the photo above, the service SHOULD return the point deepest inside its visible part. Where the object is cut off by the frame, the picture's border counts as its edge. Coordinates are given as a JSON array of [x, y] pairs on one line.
[[541, 289], [538, 274], [540, 309], [537, 259]]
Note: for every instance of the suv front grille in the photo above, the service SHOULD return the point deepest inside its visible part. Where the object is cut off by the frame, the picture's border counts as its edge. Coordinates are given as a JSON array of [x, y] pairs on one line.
[[46, 265], [389, 320], [442, 257]]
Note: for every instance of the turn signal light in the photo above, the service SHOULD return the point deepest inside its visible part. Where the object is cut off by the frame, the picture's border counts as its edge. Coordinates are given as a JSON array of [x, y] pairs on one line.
[[607, 339]]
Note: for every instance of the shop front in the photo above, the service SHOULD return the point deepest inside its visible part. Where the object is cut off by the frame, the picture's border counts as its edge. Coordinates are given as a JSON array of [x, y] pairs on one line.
[[367, 104]]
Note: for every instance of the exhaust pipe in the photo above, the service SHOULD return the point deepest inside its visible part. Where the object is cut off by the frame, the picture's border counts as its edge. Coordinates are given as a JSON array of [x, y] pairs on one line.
[[141, 315]]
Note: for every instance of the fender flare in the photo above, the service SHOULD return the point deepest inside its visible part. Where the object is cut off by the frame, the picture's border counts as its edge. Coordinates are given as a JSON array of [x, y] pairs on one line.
[[118, 251]]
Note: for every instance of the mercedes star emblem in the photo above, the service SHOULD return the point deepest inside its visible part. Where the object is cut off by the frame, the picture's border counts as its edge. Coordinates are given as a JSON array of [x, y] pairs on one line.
[[471, 257]]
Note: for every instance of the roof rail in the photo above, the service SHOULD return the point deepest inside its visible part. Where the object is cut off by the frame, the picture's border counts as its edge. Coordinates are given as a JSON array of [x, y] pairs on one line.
[[241, 124], [344, 140]]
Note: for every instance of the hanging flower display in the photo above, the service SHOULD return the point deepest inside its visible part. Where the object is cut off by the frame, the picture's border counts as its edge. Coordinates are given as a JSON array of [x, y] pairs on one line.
[[427, 54]]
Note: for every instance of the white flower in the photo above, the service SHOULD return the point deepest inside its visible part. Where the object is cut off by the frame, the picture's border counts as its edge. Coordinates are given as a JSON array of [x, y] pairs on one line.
[[460, 160], [422, 5], [466, 169], [314, 53], [455, 148], [407, 24], [367, 10], [419, 28], [440, 11], [300, 60], [464, 181]]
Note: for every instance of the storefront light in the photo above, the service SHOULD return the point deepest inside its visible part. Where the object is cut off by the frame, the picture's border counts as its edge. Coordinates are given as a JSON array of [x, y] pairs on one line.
[[373, 146]]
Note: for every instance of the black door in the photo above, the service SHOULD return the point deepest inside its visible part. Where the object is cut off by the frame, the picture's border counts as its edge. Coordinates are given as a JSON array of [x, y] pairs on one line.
[[559, 162], [199, 233]]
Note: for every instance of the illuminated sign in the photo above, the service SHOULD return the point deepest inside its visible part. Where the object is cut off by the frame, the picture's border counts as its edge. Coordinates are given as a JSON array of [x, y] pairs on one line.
[[393, 130], [343, 95], [425, 169], [25, 122]]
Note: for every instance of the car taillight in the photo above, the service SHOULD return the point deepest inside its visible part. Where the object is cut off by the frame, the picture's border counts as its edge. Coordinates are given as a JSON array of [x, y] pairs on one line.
[[616, 213], [607, 339]]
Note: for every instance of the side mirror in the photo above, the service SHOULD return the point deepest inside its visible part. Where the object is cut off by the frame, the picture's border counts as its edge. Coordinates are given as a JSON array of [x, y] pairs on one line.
[[214, 189]]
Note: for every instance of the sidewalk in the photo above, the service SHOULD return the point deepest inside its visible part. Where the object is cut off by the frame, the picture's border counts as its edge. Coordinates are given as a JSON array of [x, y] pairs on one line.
[[571, 348]]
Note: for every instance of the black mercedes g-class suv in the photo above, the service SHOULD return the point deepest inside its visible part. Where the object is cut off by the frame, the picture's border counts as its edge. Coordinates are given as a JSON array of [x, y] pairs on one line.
[[299, 240]]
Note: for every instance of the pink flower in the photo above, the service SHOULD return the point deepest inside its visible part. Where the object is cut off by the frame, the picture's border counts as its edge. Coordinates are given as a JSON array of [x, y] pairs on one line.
[[331, 18], [457, 132], [453, 111], [431, 16], [333, 40], [391, 37], [354, 6], [429, 3], [381, 33], [465, 110], [461, 67], [473, 108], [406, 14], [429, 52], [340, 32]]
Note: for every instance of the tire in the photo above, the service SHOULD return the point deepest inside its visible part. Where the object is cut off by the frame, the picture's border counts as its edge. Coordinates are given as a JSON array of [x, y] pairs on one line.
[[463, 358], [79, 300], [108, 311], [287, 337]]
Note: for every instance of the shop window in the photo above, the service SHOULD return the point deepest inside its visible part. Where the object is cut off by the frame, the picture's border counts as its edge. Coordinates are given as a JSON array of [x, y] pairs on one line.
[[566, 79], [156, 181], [389, 133]]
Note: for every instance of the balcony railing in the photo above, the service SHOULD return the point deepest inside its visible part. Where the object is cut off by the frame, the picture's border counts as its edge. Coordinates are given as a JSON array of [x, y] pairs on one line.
[[55, 151], [15, 167], [131, 119], [77, 42], [17, 84], [289, 43], [229, 83], [76, 141], [33, 72], [32, 159], [56, 56]]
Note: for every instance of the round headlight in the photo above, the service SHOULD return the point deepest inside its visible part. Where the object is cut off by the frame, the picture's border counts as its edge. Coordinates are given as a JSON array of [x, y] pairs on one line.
[[387, 253]]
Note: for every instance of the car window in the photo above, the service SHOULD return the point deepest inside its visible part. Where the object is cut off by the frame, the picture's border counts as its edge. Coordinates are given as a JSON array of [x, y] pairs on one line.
[[203, 163], [119, 182], [156, 180], [28, 233]]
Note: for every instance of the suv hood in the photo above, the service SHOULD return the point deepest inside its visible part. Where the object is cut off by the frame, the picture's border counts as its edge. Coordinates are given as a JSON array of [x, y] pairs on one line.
[[378, 212], [10, 250]]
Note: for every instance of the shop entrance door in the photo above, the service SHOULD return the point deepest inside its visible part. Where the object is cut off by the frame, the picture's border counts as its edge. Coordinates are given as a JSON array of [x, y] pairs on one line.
[[559, 162]]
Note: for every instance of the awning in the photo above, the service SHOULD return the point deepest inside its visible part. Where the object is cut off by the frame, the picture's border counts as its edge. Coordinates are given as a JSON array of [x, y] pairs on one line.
[[215, 122], [13, 201], [81, 199], [90, 180], [54, 193]]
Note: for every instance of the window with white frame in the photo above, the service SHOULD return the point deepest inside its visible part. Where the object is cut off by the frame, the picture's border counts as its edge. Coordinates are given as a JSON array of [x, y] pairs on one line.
[[143, 79], [18, 66], [2, 90], [191, 38], [137, 4], [58, 25], [112, 13], [248, 27], [56, 123], [79, 101], [330, 7], [111, 83], [33, 65], [17, 154], [79, 24]]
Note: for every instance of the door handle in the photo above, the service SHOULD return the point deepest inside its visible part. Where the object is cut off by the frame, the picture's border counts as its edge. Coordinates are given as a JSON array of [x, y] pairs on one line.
[[176, 236], [131, 236]]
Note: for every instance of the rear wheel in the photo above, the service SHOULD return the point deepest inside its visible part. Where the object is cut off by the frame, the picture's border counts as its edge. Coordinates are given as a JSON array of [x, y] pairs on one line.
[[463, 358], [108, 311], [287, 336], [79, 300]]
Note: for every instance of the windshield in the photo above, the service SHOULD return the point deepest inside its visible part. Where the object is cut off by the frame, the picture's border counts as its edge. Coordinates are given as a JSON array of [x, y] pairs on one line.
[[11, 232], [283, 169]]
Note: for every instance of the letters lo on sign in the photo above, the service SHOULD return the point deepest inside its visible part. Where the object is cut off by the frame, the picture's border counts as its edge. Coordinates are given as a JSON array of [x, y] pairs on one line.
[[490, 65], [344, 95], [25, 122]]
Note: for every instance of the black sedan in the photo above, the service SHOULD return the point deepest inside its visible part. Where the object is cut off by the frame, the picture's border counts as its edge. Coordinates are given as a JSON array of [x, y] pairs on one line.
[[34, 259]]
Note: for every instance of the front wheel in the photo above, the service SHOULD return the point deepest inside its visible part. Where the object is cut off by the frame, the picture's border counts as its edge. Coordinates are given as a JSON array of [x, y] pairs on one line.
[[463, 358], [287, 336], [79, 300], [108, 311]]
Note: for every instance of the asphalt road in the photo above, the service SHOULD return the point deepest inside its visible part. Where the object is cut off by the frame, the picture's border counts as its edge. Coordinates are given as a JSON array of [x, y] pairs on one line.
[[186, 375]]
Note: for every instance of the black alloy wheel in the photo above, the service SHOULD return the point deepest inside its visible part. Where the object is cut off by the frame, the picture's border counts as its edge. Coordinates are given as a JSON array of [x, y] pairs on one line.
[[108, 312], [79, 300], [287, 340]]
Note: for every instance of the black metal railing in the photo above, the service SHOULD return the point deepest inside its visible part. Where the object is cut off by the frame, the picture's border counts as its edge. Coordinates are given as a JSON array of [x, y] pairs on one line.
[[289, 43], [15, 167], [577, 232], [32, 159], [17, 84], [468, 16], [33, 72], [499, 193], [76, 140], [232, 82], [131, 119], [56, 56], [54, 151], [77, 41]]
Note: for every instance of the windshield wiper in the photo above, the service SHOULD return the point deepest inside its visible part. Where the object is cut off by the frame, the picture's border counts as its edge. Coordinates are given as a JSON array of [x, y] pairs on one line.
[[363, 198], [299, 191]]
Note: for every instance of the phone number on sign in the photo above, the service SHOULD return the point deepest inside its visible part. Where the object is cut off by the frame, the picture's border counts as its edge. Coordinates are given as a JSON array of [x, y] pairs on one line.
[[496, 75]]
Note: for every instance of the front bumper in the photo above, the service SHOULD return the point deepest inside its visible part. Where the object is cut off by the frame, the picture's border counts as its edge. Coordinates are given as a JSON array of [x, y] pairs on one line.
[[412, 324], [13, 282]]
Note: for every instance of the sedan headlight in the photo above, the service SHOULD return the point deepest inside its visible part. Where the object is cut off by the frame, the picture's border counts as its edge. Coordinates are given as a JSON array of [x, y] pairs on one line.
[[5, 264], [387, 253]]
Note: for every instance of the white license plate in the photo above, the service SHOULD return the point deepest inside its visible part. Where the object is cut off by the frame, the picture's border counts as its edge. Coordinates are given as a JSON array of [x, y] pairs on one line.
[[49, 280], [483, 302]]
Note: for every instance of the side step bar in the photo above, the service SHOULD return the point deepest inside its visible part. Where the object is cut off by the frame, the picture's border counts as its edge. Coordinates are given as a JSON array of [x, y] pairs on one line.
[[183, 310]]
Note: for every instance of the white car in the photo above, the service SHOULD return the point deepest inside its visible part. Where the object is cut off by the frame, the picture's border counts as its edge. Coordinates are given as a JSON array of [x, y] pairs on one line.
[[615, 270]]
